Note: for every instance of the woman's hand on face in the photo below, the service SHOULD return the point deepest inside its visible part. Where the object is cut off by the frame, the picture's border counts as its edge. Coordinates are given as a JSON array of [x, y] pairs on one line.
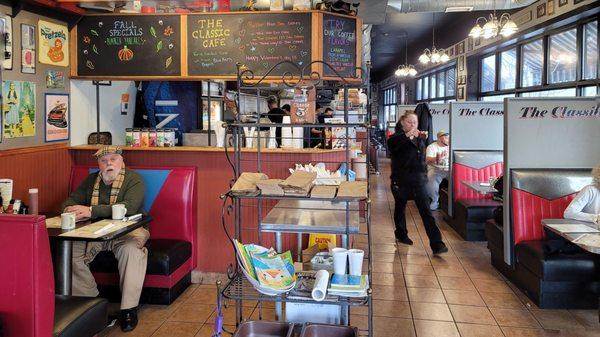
[[422, 134]]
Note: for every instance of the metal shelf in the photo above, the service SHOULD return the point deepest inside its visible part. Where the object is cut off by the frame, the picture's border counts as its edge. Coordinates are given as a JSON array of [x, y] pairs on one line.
[[292, 197], [240, 289]]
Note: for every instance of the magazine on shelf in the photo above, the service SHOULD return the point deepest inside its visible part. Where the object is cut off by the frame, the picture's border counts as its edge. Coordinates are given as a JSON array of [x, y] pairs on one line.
[[348, 282]]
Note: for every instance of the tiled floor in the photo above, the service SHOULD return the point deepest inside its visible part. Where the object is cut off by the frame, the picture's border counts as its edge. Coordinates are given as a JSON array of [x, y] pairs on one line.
[[415, 293]]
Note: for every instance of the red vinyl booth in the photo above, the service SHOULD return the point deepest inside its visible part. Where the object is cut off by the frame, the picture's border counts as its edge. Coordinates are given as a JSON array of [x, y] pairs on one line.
[[472, 209], [170, 198], [551, 279], [28, 305]]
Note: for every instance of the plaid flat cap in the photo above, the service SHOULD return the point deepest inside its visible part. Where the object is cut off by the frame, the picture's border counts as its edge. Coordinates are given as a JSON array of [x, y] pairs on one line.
[[107, 149]]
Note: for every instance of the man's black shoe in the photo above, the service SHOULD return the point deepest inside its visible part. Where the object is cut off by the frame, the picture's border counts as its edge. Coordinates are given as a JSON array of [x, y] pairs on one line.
[[439, 248], [129, 319], [405, 240]]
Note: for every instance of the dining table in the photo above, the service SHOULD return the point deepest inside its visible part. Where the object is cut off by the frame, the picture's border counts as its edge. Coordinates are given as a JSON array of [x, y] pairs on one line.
[[87, 231], [480, 186]]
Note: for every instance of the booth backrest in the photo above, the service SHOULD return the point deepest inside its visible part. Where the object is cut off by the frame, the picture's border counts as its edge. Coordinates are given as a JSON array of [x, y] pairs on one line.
[[170, 198], [538, 194], [27, 281], [474, 166]]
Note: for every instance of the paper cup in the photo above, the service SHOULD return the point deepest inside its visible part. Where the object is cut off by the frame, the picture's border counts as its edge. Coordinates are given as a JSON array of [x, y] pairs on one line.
[[340, 256], [355, 258]]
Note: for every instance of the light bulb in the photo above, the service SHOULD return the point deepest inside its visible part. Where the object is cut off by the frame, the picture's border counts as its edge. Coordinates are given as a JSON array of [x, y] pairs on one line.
[[476, 31], [435, 56], [398, 72], [444, 58], [509, 28], [412, 71], [424, 58], [490, 29]]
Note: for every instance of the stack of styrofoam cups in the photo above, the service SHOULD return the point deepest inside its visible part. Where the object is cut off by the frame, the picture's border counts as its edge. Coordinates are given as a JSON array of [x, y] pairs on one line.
[[298, 134], [286, 133], [340, 257], [355, 259], [343, 256]]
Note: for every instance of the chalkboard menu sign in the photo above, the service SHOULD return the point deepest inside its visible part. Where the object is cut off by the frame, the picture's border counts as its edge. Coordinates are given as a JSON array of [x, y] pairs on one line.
[[339, 45], [258, 41], [129, 45]]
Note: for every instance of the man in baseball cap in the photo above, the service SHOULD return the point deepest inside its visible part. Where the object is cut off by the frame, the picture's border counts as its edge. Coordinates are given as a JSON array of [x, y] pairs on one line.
[[437, 166], [112, 184]]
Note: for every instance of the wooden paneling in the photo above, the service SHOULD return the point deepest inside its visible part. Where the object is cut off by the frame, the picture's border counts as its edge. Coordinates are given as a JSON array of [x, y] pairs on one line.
[[44, 167], [214, 174]]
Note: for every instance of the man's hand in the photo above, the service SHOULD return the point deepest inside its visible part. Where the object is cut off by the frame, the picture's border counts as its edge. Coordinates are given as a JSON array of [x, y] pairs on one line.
[[80, 211]]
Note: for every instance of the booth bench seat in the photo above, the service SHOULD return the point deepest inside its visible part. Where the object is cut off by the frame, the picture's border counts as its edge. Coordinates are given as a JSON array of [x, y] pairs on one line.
[[470, 208], [551, 280], [170, 198]]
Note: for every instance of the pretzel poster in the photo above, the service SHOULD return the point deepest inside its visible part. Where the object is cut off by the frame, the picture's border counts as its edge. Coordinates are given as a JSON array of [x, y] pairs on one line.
[[53, 43]]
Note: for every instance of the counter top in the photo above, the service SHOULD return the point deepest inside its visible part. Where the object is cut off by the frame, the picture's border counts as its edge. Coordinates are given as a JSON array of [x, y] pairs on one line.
[[205, 149]]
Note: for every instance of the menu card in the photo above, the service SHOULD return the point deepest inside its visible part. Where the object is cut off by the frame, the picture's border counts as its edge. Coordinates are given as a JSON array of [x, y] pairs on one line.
[[94, 230]]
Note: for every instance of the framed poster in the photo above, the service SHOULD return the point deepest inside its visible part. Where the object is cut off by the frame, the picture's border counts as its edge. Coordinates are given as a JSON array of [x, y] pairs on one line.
[[562, 2], [54, 43], [461, 93], [477, 41], [27, 49], [460, 48], [469, 44], [6, 29], [55, 79], [550, 7], [461, 63], [541, 10], [18, 109], [57, 117]]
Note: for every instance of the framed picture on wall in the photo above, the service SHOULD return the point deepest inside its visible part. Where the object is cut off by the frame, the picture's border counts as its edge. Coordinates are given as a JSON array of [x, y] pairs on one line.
[[477, 41], [461, 93], [27, 49], [469, 44], [541, 10], [450, 51], [6, 29], [562, 2], [461, 63], [460, 48], [57, 117], [18, 109], [550, 7]]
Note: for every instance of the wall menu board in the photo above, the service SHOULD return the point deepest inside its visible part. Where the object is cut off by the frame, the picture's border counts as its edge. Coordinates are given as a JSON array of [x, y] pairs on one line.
[[258, 41], [129, 45], [339, 45]]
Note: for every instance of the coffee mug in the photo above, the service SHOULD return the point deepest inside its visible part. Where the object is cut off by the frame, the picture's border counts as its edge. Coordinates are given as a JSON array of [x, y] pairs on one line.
[[67, 220], [118, 211]]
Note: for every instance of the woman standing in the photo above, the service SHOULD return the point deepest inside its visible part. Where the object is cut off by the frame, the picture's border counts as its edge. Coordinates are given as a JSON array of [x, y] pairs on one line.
[[409, 177]]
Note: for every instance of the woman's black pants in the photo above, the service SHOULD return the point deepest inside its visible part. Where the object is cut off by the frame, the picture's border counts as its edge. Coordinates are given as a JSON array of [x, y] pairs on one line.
[[401, 193]]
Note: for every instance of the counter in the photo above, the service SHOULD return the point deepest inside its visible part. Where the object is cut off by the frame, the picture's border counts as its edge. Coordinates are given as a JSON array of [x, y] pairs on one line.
[[213, 178]]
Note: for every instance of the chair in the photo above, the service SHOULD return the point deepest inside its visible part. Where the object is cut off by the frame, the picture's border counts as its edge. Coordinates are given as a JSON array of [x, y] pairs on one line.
[[28, 305]]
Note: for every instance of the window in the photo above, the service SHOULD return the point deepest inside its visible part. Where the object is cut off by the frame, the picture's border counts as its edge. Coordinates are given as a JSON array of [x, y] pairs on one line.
[[488, 73], [433, 86], [419, 89], [590, 51], [441, 80], [532, 63], [567, 92], [450, 81], [389, 104], [425, 87], [562, 65], [508, 69], [589, 91], [441, 101], [496, 98]]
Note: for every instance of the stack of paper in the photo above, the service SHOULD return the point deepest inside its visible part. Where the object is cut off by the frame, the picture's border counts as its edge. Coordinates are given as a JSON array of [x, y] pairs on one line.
[[299, 183], [323, 191], [246, 183], [270, 187], [353, 189], [349, 285]]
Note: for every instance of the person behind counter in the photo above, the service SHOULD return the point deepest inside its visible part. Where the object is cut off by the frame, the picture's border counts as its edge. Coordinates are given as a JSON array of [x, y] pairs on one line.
[[437, 166], [275, 115], [287, 109], [407, 148], [586, 205], [112, 184], [319, 135]]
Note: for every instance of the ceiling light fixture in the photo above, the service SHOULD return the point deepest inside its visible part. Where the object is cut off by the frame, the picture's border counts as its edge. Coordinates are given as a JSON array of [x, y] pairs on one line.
[[494, 25], [433, 55], [406, 69]]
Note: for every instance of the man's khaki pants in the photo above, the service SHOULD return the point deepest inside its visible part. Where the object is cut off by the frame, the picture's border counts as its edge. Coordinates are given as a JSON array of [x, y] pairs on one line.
[[132, 258]]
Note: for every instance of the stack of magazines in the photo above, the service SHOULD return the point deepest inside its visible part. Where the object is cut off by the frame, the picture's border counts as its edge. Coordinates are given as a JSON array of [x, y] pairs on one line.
[[348, 285], [269, 272]]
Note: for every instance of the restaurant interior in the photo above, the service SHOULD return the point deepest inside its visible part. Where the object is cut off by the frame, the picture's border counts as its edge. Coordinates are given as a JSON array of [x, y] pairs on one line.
[[380, 168]]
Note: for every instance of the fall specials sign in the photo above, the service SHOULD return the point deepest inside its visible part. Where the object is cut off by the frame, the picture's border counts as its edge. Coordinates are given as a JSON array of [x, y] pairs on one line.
[[54, 43]]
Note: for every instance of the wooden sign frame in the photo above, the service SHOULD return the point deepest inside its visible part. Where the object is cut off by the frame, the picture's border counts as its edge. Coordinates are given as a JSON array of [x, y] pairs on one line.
[[316, 48]]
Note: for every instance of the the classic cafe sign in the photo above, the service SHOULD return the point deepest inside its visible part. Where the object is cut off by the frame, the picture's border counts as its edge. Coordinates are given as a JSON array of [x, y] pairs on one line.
[[443, 111], [532, 112], [467, 112]]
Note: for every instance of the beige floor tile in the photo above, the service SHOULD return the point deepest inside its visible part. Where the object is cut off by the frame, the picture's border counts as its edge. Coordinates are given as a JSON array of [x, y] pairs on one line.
[[514, 318], [387, 267], [229, 315], [177, 329], [155, 313], [472, 314], [203, 295], [526, 332], [463, 297], [416, 259], [588, 318], [492, 286], [456, 283], [193, 313], [479, 330], [383, 248], [420, 281], [386, 279], [418, 269], [557, 319], [267, 314], [389, 293], [393, 327], [400, 309], [450, 271], [359, 321], [144, 329], [431, 311], [386, 257], [426, 295], [502, 300], [435, 328]]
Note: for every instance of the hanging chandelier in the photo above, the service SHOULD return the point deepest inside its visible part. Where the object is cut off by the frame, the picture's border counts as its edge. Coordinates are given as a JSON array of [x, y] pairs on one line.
[[433, 55], [504, 25], [406, 69]]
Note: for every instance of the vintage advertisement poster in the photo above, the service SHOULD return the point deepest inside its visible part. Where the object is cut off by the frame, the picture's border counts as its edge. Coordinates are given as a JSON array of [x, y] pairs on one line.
[[55, 79], [27, 49], [57, 117], [54, 43], [18, 109], [6, 29]]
